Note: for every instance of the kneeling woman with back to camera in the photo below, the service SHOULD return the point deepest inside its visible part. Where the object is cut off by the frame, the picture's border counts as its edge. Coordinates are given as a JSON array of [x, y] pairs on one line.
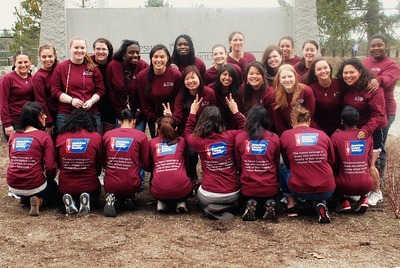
[[215, 147]]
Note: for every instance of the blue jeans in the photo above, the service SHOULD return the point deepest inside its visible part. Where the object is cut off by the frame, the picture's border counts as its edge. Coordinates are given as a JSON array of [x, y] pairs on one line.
[[383, 155], [60, 121], [320, 197]]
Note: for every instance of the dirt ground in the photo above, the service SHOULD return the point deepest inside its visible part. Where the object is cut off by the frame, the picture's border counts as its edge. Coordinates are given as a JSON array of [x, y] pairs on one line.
[[144, 238]]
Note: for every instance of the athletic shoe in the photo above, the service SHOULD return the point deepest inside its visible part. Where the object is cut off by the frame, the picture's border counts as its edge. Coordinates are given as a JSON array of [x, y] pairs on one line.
[[85, 203], [374, 198], [270, 213], [109, 207], [250, 212], [345, 206], [354, 198], [291, 211], [323, 213], [181, 207], [69, 203], [35, 205], [161, 206], [362, 205]]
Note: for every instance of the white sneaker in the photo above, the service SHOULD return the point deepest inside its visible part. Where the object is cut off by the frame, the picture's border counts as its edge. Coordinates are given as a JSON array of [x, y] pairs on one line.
[[161, 206], [181, 207], [374, 198]]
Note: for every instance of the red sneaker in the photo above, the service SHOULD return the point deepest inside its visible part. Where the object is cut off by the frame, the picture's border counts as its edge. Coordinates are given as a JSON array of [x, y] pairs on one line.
[[345, 206], [362, 205]]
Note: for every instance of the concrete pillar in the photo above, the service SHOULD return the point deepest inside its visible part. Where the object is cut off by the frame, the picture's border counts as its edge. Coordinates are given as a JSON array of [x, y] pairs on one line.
[[304, 23], [53, 26]]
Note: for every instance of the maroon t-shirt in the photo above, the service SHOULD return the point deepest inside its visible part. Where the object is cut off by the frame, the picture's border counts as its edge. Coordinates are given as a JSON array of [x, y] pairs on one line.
[[199, 63], [328, 106], [211, 74], [30, 154], [164, 89], [353, 159], [42, 89], [79, 158], [126, 150], [309, 154], [169, 173], [300, 73], [223, 107], [387, 73], [293, 61], [217, 156], [118, 91], [258, 163], [282, 116], [370, 105], [78, 82], [15, 92], [246, 59], [181, 114]]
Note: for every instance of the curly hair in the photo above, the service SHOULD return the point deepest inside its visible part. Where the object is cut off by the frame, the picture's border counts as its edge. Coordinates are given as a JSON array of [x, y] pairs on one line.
[[365, 75], [120, 53], [79, 119], [300, 114]]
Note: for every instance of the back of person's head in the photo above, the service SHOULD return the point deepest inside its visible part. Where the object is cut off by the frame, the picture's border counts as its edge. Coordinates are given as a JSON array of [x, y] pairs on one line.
[[167, 129], [126, 115], [210, 121], [31, 111], [79, 119], [350, 116], [257, 122], [300, 114]]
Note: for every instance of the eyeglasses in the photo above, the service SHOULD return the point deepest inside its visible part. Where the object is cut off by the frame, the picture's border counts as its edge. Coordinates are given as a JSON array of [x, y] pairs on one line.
[[101, 49]]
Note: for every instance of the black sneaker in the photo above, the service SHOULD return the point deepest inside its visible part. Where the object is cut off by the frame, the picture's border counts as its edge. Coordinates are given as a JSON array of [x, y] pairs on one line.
[[84, 206], [323, 213], [250, 212], [109, 207], [291, 211], [270, 213]]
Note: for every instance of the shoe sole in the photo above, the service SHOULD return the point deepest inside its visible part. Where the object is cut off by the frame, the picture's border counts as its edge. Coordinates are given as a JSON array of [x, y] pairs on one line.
[[250, 212], [84, 203], [69, 204], [362, 209], [323, 214], [270, 211], [181, 209], [109, 210], [34, 211]]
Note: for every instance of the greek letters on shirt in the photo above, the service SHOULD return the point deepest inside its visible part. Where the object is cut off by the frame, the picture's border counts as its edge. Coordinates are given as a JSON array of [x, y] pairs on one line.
[[87, 73], [300, 101], [119, 144], [165, 149], [376, 69], [168, 84], [205, 103], [356, 147], [22, 144], [76, 145], [306, 139], [216, 150], [359, 98], [256, 147]]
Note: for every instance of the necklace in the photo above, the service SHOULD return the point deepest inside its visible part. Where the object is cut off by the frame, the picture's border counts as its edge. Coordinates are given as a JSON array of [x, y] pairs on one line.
[[327, 87]]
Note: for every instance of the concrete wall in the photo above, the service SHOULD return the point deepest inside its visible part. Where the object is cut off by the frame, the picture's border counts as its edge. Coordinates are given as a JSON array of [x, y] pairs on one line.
[[207, 26]]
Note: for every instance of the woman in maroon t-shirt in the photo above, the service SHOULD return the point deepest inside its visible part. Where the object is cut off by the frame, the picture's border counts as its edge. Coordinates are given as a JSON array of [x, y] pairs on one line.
[[286, 44], [31, 171], [237, 54], [170, 184], [271, 59], [310, 52], [16, 90]]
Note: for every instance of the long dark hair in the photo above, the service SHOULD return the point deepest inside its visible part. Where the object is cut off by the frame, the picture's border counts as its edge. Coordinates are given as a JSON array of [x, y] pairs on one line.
[[120, 53], [257, 122], [186, 97], [269, 71], [362, 83], [30, 116], [150, 75], [302, 63], [248, 89], [209, 121], [234, 88], [311, 77], [167, 129], [191, 55], [79, 119]]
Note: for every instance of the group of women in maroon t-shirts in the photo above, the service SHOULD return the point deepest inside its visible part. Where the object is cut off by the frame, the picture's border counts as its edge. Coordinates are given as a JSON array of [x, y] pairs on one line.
[[283, 124]]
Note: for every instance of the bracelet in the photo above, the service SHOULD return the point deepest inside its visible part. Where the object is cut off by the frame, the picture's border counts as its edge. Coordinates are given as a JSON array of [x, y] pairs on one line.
[[71, 101]]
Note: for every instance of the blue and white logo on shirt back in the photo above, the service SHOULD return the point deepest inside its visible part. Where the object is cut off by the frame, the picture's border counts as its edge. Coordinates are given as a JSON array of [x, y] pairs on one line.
[[306, 139], [165, 149], [356, 147], [120, 144], [77, 145], [22, 144], [255, 147], [216, 150]]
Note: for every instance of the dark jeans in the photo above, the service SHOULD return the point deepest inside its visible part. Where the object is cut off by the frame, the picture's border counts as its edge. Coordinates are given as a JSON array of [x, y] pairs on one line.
[[382, 159]]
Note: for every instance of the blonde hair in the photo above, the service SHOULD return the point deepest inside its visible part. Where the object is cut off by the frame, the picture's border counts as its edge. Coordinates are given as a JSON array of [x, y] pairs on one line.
[[281, 101], [89, 62]]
